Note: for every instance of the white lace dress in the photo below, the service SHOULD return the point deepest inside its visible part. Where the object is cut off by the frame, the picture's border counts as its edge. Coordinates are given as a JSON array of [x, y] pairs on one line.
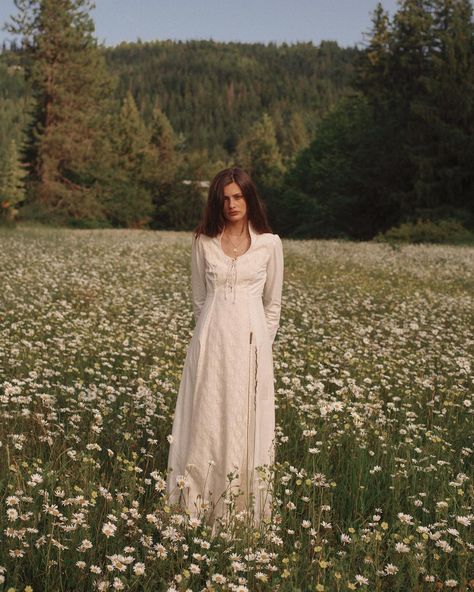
[[224, 420]]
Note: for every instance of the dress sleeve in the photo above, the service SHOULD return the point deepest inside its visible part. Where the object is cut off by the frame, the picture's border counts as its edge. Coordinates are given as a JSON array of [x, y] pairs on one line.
[[198, 281], [273, 287]]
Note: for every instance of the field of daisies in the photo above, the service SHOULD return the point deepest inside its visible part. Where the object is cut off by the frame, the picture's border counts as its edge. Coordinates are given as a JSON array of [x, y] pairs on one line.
[[373, 484]]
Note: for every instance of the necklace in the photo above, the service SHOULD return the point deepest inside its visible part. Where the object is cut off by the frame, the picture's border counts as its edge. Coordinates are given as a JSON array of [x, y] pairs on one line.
[[236, 247]]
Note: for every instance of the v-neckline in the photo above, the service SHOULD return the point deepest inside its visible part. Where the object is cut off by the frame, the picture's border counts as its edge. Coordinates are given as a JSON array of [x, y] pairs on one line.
[[219, 241]]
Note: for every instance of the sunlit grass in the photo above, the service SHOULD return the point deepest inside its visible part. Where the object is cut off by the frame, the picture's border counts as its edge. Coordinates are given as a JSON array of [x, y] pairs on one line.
[[373, 368]]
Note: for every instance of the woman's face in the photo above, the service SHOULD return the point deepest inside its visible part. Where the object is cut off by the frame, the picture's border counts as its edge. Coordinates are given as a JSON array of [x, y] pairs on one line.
[[235, 206]]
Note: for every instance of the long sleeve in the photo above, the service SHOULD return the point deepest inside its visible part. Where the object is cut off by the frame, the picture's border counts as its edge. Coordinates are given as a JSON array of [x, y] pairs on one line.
[[273, 287], [198, 280]]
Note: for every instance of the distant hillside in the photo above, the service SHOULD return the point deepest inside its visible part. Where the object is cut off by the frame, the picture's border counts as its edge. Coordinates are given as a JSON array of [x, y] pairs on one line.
[[210, 91]]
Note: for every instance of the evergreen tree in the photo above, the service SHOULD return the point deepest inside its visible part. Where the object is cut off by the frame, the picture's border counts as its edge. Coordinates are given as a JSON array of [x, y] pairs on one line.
[[123, 168], [165, 157], [169, 195], [373, 65], [344, 174], [70, 88], [296, 136], [12, 187], [442, 147], [258, 152], [411, 48], [131, 140], [403, 147]]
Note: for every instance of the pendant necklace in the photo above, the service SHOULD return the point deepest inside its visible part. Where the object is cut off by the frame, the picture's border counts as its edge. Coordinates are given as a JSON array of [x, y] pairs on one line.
[[235, 247]]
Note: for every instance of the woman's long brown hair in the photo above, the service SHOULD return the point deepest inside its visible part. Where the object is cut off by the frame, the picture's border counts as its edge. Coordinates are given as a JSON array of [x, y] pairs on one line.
[[213, 221]]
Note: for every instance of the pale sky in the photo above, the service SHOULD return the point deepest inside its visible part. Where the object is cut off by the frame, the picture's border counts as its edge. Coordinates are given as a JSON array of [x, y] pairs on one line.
[[263, 21]]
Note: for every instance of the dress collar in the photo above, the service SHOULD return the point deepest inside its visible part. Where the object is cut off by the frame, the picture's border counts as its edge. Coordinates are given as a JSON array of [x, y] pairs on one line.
[[253, 233]]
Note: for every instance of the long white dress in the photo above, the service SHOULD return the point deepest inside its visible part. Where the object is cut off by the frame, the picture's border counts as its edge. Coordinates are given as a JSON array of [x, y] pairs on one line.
[[224, 420]]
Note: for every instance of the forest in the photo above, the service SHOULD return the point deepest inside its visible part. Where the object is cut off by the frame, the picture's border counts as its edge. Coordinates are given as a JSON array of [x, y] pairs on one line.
[[342, 142]]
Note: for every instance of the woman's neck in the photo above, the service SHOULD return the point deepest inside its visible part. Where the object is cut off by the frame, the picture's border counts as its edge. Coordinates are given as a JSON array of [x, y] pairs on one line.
[[237, 227]]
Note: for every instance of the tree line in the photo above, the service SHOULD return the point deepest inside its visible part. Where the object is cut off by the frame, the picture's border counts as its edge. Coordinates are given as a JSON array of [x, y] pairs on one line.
[[399, 149], [342, 142]]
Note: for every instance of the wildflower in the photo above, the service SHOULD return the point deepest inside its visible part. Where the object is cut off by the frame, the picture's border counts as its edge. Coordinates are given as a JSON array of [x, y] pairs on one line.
[[218, 578], [391, 569], [402, 548], [361, 580], [12, 514], [194, 569], [405, 518], [109, 529], [35, 480], [139, 569], [429, 578], [464, 520], [86, 544], [181, 481], [445, 546], [451, 583]]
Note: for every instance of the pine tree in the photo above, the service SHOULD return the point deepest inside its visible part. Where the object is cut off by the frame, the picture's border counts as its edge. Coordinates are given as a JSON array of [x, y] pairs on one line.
[[412, 43], [258, 152], [296, 137], [71, 88], [164, 156], [177, 205], [131, 139], [443, 146], [12, 187], [124, 195], [372, 65]]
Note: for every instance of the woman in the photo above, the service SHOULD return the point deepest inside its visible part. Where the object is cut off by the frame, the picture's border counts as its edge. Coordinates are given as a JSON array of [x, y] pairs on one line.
[[224, 421]]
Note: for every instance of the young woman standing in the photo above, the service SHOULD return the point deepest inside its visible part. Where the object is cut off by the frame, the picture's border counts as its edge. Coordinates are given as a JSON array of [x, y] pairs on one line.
[[224, 420]]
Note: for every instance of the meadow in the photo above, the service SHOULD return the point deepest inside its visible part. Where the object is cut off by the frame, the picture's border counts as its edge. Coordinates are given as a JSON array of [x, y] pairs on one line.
[[375, 407]]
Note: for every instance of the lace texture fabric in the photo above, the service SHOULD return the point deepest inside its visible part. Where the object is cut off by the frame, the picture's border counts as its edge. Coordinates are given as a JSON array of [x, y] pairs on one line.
[[231, 279]]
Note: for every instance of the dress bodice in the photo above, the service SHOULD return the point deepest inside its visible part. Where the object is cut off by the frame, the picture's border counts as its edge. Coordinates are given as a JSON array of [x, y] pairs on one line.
[[257, 273]]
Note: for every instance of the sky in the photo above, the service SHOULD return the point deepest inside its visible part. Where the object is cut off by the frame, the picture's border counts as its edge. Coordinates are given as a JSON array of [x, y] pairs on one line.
[[263, 21]]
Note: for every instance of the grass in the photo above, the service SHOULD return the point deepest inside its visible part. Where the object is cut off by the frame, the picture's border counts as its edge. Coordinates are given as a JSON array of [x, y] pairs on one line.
[[373, 369]]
